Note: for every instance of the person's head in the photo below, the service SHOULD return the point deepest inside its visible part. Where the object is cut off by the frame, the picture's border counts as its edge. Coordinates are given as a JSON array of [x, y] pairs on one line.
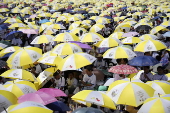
[[89, 70], [122, 61], [71, 75], [146, 69], [57, 75], [158, 58], [160, 70]]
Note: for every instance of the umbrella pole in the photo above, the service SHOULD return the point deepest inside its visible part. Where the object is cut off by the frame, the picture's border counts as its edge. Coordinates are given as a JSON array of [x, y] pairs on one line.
[[5, 110]]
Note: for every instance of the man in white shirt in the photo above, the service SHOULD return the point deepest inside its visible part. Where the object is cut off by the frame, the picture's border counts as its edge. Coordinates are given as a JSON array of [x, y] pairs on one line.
[[89, 79], [146, 76], [59, 81]]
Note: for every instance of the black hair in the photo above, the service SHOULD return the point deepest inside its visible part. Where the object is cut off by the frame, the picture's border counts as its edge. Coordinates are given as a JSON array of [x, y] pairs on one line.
[[89, 68], [147, 67], [71, 73], [56, 73], [160, 67]]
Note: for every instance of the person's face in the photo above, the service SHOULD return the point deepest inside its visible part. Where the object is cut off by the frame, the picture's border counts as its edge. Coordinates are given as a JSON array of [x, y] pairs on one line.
[[160, 71], [122, 61], [88, 72], [57, 77], [146, 70], [70, 75]]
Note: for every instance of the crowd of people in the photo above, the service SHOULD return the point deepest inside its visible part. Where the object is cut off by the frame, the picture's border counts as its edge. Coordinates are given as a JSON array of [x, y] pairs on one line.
[[90, 77]]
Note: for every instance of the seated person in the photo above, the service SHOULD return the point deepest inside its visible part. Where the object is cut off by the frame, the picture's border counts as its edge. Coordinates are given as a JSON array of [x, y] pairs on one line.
[[160, 75]]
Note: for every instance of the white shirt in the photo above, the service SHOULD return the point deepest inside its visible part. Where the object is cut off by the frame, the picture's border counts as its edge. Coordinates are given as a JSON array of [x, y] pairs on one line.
[[160, 77], [91, 80], [142, 77], [17, 41], [38, 69], [72, 82], [60, 83]]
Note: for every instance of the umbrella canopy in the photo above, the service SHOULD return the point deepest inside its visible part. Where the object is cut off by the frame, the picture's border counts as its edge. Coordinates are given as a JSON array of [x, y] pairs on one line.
[[53, 92], [136, 92], [28, 107], [108, 42], [91, 37], [117, 35], [50, 60], [20, 88], [150, 45], [29, 31], [40, 97], [143, 27], [66, 49], [143, 61], [76, 61], [43, 39], [131, 40], [95, 97], [160, 87], [123, 69], [84, 46], [6, 99], [32, 54], [129, 34], [18, 74], [119, 52], [9, 50], [65, 37], [58, 106], [148, 37], [155, 104], [87, 110]]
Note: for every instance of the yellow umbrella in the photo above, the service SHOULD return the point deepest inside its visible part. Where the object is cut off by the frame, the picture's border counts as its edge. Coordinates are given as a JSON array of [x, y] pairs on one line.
[[117, 35], [20, 25], [9, 50], [159, 104], [91, 37], [74, 25], [20, 88], [157, 29], [66, 49], [76, 61], [78, 30], [148, 37], [150, 45], [45, 76], [56, 15], [28, 107], [119, 52], [73, 18], [65, 37], [43, 39], [13, 20], [136, 92], [95, 97], [31, 54], [4, 10], [45, 15], [6, 98], [108, 42], [96, 27], [50, 60], [103, 21], [160, 87], [131, 40], [18, 74]]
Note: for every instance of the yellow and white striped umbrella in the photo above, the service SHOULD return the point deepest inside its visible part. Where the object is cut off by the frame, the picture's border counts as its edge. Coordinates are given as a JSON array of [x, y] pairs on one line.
[[25, 56], [119, 52], [150, 45], [62, 18], [76, 61], [56, 26], [143, 23], [56, 15], [148, 37], [103, 21], [45, 15], [156, 105], [95, 17], [78, 30], [9, 50], [80, 16], [65, 37], [4, 10], [108, 42], [16, 10], [91, 37], [28, 107], [74, 25], [6, 99], [20, 25], [95, 97], [26, 11], [13, 20], [166, 23], [18, 74], [45, 76], [157, 29], [43, 39], [66, 49], [160, 87], [97, 27], [73, 18], [131, 40], [50, 60], [122, 27], [117, 35], [20, 88], [136, 92]]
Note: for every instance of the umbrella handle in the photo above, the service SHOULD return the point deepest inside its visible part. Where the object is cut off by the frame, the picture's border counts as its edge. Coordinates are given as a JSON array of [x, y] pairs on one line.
[[5, 110]]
